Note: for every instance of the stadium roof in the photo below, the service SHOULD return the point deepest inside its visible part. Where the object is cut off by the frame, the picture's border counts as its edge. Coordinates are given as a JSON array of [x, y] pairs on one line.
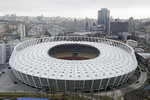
[[111, 62]]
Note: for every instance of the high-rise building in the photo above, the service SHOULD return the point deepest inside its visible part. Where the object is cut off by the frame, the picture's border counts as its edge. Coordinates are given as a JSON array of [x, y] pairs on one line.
[[131, 25], [55, 30], [22, 31], [87, 25], [103, 19], [147, 38], [9, 48], [2, 53], [6, 50]]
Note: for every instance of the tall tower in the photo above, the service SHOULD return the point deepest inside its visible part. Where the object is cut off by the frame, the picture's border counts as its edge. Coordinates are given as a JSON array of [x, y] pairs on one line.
[[2, 53], [22, 31], [87, 24], [103, 19], [131, 25]]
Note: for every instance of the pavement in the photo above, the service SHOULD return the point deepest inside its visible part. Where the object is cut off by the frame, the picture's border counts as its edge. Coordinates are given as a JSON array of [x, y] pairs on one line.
[[2, 67], [7, 83]]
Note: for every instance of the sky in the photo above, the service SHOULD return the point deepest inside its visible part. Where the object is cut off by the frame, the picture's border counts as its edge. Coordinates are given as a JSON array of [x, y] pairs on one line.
[[123, 9]]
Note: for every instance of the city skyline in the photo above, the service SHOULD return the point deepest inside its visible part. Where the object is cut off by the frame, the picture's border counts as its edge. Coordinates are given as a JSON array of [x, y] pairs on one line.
[[76, 8]]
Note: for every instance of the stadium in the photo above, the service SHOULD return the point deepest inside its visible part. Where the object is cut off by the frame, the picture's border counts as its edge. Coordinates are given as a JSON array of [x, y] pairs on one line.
[[68, 63]]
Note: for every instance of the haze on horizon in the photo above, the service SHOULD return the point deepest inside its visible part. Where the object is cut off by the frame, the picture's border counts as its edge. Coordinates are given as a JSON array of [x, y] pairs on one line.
[[76, 8]]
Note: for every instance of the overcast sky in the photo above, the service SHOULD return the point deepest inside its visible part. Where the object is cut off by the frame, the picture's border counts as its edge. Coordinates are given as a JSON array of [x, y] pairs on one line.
[[76, 8]]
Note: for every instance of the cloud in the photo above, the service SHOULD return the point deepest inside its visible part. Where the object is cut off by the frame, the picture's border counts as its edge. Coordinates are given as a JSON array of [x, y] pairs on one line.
[[76, 8]]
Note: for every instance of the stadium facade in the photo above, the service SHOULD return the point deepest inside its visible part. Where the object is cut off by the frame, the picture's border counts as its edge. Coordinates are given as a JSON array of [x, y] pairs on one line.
[[68, 63]]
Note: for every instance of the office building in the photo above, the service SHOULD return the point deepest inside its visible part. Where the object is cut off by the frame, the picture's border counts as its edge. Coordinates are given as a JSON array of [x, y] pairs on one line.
[[2, 53], [22, 29], [118, 27], [131, 25], [9, 48], [104, 19], [147, 38], [55, 30]]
